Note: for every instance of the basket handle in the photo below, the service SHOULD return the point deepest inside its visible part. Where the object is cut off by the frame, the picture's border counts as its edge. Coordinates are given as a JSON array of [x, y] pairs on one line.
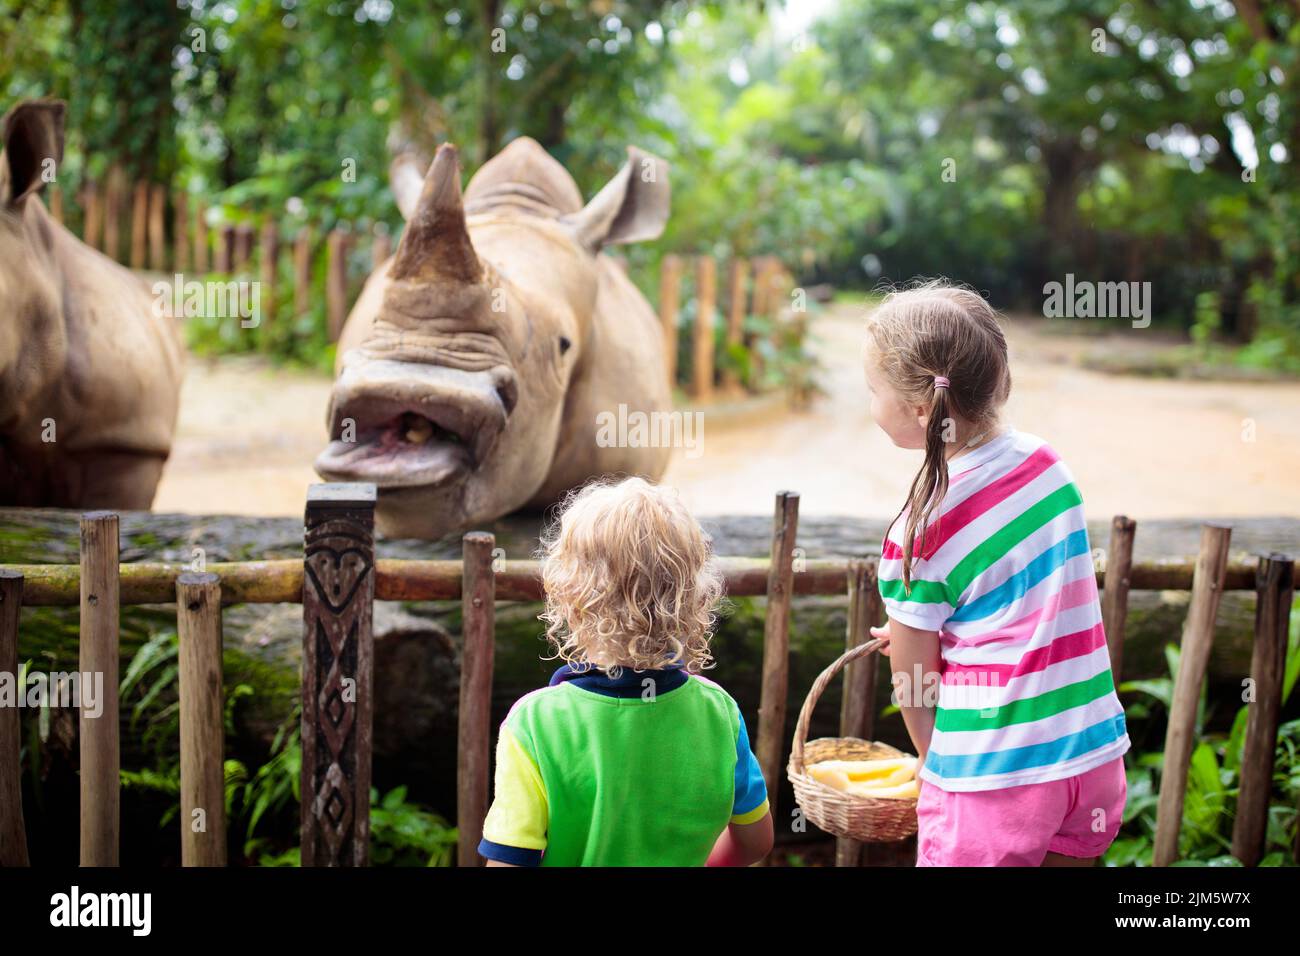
[[814, 695]]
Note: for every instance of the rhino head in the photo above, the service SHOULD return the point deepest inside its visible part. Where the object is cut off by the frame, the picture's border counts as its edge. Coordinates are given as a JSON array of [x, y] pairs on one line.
[[464, 351]]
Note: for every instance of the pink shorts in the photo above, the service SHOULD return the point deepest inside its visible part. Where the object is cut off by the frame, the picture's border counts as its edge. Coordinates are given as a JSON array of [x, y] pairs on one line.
[[1018, 826]]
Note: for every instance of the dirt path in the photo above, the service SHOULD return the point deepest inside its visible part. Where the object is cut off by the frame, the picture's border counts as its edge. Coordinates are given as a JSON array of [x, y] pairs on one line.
[[1149, 448]]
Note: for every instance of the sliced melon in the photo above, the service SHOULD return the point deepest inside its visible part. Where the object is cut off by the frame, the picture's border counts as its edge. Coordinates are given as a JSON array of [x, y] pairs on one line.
[[908, 790], [830, 776], [859, 770]]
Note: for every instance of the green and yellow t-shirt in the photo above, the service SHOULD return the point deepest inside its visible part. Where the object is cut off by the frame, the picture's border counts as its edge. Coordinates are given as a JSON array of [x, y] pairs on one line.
[[646, 769]]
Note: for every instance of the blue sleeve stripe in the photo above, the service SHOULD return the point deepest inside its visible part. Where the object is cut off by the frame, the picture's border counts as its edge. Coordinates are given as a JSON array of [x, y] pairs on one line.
[[751, 791], [514, 855]]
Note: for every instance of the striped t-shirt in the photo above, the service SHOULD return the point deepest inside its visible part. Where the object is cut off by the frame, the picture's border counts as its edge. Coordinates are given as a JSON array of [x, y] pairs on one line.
[[1007, 579]]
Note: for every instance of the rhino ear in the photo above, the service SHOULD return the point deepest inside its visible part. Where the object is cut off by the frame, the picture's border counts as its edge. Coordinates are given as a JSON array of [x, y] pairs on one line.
[[436, 243], [406, 178], [632, 207], [33, 148]]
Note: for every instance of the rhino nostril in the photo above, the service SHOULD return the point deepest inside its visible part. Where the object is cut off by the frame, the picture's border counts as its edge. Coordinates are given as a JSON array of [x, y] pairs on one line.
[[508, 391]]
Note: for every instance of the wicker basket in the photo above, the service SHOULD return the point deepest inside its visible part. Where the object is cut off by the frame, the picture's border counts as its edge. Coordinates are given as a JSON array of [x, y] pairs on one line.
[[869, 819]]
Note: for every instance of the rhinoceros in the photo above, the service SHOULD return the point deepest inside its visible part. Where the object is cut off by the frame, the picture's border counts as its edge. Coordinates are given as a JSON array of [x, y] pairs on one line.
[[90, 371], [482, 360]]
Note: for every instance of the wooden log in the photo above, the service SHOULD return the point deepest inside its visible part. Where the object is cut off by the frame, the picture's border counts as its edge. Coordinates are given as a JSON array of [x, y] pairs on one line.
[[737, 276], [478, 603], [337, 674], [776, 643], [280, 582], [1275, 592], [1180, 737], [92, 224], [302, 271], [381, 248], [158, 227], [203, 745], [336, 283], [139, 224], [702, 358], [225, 252], [100, 756], [56, 203], [857, 710], [13, 831], [670, 300], [1114, 599], [180, 232], [270, 267], [243, 246], [113, 199], [200, 238]]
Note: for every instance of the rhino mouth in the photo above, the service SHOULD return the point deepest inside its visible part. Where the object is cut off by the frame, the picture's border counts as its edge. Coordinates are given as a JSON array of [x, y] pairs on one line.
[[400, 428]]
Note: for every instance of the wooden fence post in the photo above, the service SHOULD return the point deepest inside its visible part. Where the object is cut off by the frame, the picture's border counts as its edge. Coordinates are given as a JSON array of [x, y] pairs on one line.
[[478, 603], [702, 358], [203, 744], [270, 269], [1114, 596], [1275, 589], [92, 223], [302, 271], [180, 232], [56, 202], [243, 246], [1198, 638], [225, 252], [776, 643], [200, 238], [13, 832], [338, 596], [158, 227], [100, 755], [735, 316], [116, 185], [857, 707], [670, 300], [336, 283], [381, 247], [139, 224]]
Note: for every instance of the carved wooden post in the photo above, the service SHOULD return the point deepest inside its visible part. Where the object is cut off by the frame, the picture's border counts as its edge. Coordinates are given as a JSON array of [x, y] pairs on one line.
[[139, 224], [100, 743], [92, 223], [302, 271], [776, 643], [13, 833], [243, 246], [1114, 596], [706, 297], [225, 249], [735, 316], [270, 271], [200, 238], [478, 601], [56, 203], [114, 187], [857, 706], [203, 744], [158, 227], [670, 297], [180, 232], [336, 283], [338, 594]]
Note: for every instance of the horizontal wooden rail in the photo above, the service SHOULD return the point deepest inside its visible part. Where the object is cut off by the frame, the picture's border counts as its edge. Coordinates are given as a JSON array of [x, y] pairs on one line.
[[280, 582]]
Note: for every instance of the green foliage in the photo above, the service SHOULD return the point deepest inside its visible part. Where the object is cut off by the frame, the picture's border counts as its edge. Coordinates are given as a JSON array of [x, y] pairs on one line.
[[1213, 778]]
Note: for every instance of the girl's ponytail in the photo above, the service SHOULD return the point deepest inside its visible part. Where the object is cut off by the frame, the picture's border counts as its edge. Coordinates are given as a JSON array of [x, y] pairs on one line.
[[931, 483]]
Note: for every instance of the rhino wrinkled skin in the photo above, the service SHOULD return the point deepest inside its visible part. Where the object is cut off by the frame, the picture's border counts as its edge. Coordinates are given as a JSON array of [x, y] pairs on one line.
[[476, 364], [90, 374]]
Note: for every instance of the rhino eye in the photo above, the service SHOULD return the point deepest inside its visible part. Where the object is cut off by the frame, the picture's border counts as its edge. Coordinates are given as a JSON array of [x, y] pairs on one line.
[[565, 344]]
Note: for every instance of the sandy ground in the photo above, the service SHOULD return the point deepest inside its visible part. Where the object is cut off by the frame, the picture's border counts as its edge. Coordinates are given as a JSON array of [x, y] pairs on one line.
[[1149, 448]]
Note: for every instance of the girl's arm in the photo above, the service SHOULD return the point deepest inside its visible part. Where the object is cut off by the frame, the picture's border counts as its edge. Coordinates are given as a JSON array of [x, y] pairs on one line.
[[914, 661], [743, 843]]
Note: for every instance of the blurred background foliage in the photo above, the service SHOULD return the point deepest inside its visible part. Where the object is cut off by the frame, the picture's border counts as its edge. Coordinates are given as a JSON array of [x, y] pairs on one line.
[[1000, 144]]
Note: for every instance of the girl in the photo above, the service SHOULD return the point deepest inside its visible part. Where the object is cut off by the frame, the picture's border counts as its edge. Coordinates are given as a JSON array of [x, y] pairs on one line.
[[628, 757], [988, 581]]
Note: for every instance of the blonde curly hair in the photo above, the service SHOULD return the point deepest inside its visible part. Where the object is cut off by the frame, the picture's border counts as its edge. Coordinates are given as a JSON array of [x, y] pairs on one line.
[[630, 580]]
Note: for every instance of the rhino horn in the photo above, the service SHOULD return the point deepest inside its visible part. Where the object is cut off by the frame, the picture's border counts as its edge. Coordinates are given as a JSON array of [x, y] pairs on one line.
[[436, 244]]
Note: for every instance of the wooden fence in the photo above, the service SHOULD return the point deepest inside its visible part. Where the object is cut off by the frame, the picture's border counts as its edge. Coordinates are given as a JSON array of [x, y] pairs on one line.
[[339, 578], [754, 287]]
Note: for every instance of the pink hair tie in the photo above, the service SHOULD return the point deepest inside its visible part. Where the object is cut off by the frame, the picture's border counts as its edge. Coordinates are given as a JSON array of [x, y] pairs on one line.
[[941, 381]]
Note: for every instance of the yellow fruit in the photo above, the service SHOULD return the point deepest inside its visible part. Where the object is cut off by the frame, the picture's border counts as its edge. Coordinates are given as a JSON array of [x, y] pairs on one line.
[[902, 791], [830, 776], [901, 768]]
